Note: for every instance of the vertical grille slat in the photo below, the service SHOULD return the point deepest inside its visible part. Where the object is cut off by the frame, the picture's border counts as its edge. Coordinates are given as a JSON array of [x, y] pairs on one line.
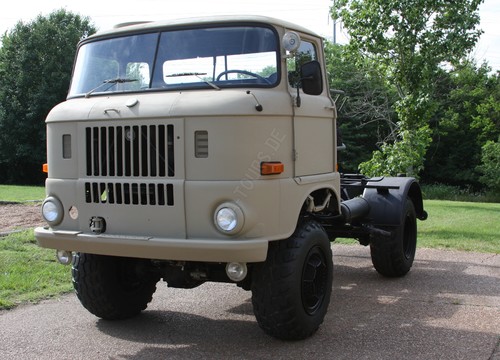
[[88, 145], [104, 153], [95, 192], [126, 193], [170, 150], [144, 145], [162, 150], [135, 152], [111, 150], [170, 195], [130, 151], [95, 152], [127, 146], [152, 150], [119, 194], [161, 194], [119, 150]]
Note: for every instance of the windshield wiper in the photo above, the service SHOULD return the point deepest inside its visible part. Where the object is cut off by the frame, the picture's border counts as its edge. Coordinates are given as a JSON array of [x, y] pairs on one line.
[[198, 75], [112, 82]]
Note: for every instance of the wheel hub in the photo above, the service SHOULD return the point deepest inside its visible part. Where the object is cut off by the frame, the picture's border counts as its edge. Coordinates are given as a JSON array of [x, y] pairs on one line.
[[314, 277]]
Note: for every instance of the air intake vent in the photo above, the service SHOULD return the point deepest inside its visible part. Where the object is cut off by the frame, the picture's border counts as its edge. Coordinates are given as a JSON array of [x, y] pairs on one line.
[[66, 139], [129, 193], [146, 150], [201, 144]]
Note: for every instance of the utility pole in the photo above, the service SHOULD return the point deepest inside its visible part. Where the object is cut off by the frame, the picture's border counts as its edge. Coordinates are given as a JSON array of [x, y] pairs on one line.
[[334, 26]]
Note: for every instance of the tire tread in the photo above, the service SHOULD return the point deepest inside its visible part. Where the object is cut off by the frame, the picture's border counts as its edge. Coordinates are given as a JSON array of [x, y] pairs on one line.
[[274, 296]]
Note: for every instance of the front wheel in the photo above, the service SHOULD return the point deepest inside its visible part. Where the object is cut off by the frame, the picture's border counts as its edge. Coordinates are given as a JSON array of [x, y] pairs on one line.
[[291, 289], [395, 257], [113, 287]]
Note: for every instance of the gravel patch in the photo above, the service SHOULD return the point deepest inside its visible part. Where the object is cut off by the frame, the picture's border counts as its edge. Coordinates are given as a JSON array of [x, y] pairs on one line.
[[19, 217]]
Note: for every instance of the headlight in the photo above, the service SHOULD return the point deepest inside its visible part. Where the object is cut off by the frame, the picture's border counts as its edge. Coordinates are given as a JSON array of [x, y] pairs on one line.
[[52, 210], [229, 218]]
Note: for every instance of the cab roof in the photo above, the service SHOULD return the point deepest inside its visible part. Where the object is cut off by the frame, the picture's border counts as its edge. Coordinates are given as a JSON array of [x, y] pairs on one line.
[[146, 26]]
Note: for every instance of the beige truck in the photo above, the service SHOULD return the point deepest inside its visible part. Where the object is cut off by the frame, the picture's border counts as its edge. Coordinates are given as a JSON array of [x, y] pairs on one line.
[[205, 150]]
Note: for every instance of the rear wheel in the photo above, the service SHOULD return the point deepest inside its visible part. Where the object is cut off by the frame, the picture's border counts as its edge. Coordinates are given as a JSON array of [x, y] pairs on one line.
[[394, 258], [113, 287], [291, 289]]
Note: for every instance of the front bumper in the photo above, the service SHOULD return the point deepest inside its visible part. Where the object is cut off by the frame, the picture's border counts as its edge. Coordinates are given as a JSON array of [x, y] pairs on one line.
[[155, 247]]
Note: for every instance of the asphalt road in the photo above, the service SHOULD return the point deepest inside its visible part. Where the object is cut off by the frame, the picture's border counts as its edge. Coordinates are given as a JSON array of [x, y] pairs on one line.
[[447, 307]]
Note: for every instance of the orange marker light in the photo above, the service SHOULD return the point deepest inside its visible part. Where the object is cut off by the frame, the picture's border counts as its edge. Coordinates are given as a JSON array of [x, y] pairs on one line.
[[45, 168], [271, 168]]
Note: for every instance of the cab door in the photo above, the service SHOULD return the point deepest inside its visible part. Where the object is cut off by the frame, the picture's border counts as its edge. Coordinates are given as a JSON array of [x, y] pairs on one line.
[[314, 114]]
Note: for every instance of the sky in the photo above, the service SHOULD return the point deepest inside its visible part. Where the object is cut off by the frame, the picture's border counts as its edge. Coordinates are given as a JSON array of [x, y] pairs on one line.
[[312, 14]]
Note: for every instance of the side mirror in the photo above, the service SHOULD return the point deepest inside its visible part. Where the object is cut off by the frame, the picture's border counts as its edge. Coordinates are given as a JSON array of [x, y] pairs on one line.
[[310, 75]]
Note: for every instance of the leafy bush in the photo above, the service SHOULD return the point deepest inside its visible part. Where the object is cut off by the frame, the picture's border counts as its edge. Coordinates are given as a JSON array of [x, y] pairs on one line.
[[456, 193], [490, 166]]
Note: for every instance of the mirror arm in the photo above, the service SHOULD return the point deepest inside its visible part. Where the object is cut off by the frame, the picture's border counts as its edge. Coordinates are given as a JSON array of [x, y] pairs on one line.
[[298, 100]]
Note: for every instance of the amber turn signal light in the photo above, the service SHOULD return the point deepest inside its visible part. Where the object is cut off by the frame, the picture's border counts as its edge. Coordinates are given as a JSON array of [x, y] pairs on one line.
[[271, 168], [45, 168]]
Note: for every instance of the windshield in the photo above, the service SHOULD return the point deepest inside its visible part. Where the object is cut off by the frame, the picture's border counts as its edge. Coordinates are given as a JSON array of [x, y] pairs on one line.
[[212, 58]]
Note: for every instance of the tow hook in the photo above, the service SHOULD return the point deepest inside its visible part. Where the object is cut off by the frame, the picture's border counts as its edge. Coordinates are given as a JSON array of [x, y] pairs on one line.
[[97, 225]]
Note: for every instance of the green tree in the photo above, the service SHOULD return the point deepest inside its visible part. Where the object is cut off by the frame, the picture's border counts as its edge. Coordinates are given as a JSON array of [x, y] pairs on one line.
[[487, 119], [490, 166], [35, 67], [409, 41], [467, 117], [365, 115]]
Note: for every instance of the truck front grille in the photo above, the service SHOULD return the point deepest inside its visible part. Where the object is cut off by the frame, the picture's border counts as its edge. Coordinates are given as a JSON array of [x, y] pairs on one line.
[[137, 150], [129, 193]]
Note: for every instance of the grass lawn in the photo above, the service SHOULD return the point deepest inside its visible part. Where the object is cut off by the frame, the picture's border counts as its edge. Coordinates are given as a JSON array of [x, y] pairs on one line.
[[461, 226], [21, 193], [29, 273]]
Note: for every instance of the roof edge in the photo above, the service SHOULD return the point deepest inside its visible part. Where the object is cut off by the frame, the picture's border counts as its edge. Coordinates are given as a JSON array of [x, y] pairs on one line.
[[138, 26]]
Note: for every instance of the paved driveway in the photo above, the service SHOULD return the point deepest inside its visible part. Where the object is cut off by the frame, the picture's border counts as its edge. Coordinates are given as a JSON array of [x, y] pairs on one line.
[[447, 307]]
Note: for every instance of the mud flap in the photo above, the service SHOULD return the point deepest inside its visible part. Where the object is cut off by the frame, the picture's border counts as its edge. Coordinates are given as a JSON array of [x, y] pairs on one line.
[[387, 199]]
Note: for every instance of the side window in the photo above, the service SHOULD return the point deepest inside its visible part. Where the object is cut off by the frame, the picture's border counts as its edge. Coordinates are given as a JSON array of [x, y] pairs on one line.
[[305, 53]]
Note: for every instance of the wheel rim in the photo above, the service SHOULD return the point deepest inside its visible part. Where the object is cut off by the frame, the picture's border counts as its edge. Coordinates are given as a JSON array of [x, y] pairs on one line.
[[314, 280]]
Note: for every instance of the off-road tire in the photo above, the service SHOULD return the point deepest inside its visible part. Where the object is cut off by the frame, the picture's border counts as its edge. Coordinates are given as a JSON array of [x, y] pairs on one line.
[[291, 289], [112, 287], [394, 257]]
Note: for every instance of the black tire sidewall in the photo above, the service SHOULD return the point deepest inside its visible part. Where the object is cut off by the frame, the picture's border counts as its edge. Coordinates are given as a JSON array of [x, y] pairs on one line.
[[389, 256], [408, 233]]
